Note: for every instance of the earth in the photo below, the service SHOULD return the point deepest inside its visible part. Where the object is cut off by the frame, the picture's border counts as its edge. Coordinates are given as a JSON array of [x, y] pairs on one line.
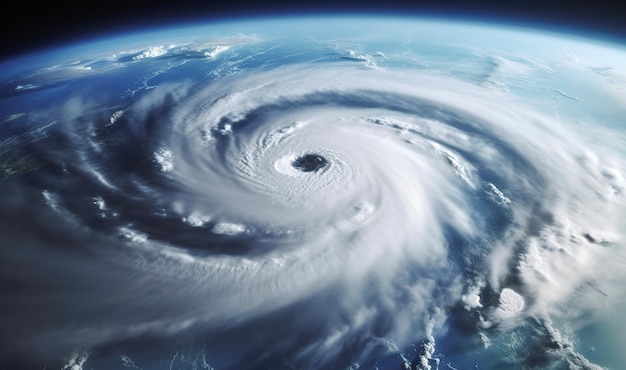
[[315, 192]]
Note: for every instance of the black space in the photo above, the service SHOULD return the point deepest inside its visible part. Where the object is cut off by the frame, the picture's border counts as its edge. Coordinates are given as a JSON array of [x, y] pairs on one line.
[[29, 25]]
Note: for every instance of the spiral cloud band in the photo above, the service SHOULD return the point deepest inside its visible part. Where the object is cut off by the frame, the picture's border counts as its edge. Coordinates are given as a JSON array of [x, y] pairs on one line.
[[319, 216]]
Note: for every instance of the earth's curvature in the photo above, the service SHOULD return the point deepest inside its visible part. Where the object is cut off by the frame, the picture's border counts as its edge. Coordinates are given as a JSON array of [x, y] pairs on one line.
[[315, 193]]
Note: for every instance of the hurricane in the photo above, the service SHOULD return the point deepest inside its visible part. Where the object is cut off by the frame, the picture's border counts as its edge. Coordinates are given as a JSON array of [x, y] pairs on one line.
[[310, 215]]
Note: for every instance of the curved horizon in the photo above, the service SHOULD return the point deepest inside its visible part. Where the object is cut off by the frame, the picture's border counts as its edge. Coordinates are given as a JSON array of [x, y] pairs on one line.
[[50, 30]]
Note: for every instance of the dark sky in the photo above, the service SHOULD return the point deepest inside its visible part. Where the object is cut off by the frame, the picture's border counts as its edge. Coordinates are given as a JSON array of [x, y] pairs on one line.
[[32, 25]]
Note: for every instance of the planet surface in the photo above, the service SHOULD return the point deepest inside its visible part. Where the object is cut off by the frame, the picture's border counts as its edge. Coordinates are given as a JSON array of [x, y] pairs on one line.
[[315, 193]]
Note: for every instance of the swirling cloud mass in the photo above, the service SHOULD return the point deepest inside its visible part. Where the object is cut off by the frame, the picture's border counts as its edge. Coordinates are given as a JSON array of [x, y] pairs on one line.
[[308, 215]]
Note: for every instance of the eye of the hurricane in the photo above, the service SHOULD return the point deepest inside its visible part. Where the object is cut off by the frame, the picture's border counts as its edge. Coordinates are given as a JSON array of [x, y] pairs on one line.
[[309, 163]]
